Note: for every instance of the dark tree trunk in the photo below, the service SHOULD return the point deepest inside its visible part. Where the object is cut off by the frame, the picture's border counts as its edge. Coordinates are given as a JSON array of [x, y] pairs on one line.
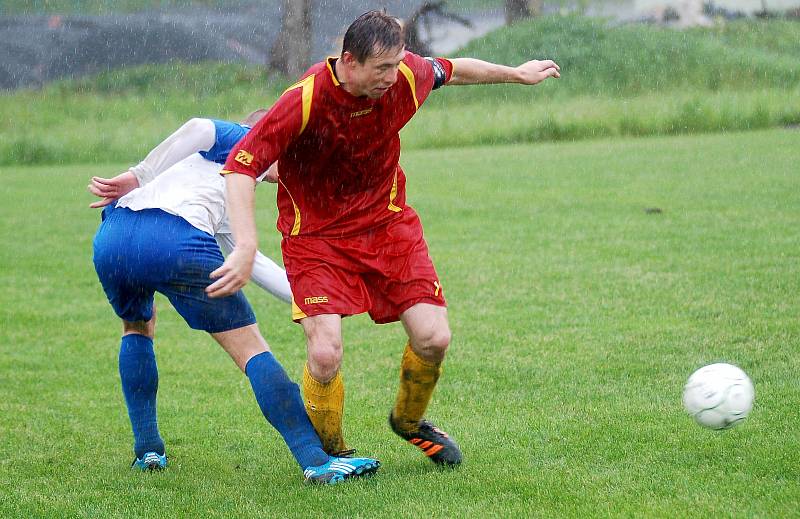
[[520, 9], [516, 10], [291, 52], [426, 15]]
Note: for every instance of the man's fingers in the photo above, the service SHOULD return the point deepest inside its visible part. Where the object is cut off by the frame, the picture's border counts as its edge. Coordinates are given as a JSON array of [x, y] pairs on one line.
[[97, 191], [222, 287], [100, 189], [550, 64], [227, 282], [215, 289], [102, 203], [101, 180], [219, 272], [215, 286]]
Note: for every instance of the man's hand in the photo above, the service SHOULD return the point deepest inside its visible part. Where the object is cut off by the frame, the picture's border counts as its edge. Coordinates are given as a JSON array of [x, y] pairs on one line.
[[233, 274], [536, 71], [272, 174], [110, 189]]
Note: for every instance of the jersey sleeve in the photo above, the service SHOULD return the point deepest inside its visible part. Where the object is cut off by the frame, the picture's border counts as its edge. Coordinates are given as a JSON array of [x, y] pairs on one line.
[[268, 139], [425, 74], [195, 135], [227, 134]]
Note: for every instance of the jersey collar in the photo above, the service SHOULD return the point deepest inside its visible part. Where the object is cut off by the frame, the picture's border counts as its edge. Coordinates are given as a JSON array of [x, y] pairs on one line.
[[331, 62], [343, 96]]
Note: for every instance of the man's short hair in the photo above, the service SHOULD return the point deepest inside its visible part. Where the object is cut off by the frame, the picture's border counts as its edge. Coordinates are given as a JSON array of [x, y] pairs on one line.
[[254, 117], [372, 33]]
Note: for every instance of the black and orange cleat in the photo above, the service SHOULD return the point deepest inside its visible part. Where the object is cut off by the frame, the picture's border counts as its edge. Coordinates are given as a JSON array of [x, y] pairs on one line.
[[435, 443]]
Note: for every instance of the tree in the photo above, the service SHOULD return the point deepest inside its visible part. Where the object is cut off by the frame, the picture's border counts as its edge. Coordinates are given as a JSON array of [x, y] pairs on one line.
[[424, 16], [291, 52], [519, 9]]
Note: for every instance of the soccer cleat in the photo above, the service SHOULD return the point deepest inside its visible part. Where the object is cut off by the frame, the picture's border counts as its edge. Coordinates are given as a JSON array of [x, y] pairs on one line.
[[338, 469], [435, 443], [150, 461]]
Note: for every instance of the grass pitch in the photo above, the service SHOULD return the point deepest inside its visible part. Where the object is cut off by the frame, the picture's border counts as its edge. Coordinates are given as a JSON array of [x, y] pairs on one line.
[[577, 316]]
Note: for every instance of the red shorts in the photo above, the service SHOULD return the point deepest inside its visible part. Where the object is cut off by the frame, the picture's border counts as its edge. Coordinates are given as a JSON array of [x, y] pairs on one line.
[[384, 271]]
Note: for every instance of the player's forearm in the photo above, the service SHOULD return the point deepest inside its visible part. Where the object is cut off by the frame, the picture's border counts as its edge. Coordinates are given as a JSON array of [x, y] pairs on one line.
[[240, 207], [470, 71], [195, 135]]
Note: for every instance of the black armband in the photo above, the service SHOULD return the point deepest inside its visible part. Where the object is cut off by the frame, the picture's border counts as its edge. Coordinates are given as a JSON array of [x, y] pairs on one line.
[[439, 74]]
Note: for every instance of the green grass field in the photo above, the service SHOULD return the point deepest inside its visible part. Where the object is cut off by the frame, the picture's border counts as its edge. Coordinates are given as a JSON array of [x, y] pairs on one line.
[[576, 314]]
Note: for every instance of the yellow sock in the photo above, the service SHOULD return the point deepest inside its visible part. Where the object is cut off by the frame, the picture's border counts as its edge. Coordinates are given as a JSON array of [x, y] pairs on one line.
[[325, 405], [417, 380]]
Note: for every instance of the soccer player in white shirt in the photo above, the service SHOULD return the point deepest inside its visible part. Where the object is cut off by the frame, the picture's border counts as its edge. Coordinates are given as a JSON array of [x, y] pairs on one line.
[[159, 237]]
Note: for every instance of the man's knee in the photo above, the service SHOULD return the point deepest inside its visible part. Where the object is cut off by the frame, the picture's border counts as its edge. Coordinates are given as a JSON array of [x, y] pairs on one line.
[[324, 357], [324, 343], [146, 328], [433, 343]]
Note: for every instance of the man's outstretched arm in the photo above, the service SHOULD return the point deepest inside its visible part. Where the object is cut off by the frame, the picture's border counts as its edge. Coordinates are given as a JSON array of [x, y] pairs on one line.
[[470, 71]]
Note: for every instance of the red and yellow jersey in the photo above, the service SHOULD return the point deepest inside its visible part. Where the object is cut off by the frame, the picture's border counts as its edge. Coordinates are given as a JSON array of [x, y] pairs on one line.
[[339, 154]]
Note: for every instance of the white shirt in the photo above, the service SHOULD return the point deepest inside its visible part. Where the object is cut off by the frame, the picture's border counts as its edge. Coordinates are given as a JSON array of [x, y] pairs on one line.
[[192, 189], [176, 179]]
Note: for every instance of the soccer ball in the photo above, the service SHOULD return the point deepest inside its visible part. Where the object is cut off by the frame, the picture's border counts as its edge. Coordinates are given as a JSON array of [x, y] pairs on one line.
[[718, 396]]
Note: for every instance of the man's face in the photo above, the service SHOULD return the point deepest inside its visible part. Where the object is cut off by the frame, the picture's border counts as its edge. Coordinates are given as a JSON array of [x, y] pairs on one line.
[[377, 74]]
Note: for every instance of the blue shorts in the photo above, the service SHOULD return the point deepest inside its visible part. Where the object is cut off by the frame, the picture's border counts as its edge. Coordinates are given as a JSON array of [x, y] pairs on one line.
[[138, 253]]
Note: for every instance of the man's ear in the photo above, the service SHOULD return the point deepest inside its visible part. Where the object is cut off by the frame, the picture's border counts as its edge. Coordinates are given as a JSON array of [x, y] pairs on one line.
[[348, 58]]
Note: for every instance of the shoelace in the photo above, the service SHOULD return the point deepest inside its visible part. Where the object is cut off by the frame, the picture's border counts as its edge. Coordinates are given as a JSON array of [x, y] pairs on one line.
[[346, 453], [427, 425]]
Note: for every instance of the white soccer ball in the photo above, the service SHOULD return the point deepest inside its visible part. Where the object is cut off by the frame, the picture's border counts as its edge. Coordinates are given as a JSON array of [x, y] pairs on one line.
[[718, 396]]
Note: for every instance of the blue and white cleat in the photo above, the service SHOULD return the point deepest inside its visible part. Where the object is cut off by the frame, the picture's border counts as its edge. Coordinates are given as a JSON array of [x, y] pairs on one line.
[[150, 461], [338, 469]]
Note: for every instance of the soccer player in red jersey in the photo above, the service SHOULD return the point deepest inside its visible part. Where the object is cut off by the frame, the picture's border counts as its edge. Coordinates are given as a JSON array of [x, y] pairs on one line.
[[350, 243]]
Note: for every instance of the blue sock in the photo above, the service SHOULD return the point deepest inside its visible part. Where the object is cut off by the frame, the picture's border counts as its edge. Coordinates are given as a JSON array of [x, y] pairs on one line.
[[280, 401], [139, 375]]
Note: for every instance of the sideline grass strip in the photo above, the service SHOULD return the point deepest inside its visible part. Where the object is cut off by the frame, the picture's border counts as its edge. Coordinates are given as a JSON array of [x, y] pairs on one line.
[[617, 81]]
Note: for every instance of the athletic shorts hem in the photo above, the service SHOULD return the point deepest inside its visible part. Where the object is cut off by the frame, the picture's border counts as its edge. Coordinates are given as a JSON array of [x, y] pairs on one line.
[[227, 328], [405, 306]]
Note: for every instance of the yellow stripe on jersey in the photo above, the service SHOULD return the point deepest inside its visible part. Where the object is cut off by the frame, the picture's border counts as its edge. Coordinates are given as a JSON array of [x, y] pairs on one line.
[[393, 195], [296, 227], [308, 94], [411, 82], [307, 85]]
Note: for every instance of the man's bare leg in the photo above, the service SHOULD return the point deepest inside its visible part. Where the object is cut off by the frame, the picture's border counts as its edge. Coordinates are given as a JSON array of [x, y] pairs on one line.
[[323, 385], [429, 337]]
